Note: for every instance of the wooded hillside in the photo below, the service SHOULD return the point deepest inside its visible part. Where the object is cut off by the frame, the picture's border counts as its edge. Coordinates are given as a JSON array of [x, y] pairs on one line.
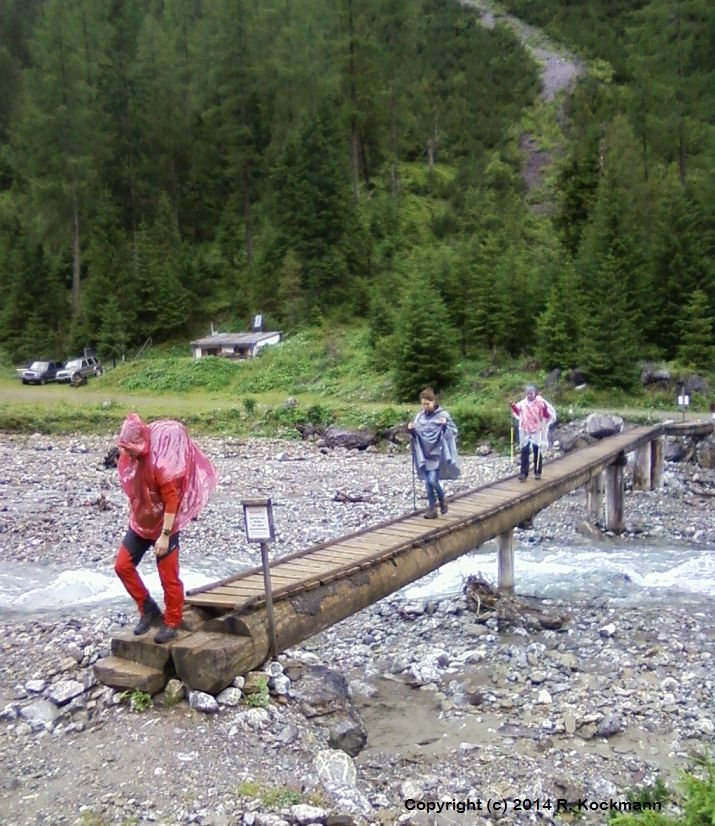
[[166, 163]]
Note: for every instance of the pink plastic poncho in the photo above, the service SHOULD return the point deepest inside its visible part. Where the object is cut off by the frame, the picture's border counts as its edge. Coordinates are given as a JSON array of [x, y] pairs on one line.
[[166, 454]]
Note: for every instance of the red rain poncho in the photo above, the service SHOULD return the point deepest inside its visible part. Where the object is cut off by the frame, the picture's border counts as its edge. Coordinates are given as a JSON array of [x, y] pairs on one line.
[[167, 455]]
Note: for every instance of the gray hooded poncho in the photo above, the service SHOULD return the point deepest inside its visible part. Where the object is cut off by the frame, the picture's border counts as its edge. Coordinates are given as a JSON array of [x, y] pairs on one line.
[[435, 446]]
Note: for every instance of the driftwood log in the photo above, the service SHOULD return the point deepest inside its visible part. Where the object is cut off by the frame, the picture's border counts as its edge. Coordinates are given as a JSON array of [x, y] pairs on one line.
[[112, 458], [509, 610], [342, 496]]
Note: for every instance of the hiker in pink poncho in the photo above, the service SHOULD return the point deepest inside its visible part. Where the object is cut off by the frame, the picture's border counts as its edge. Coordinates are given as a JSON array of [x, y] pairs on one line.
[[535, 415], [168, 480]]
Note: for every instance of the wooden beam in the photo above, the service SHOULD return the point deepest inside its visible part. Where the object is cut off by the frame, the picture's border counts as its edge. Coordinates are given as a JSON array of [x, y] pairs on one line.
[[641, 468], [614, 496]]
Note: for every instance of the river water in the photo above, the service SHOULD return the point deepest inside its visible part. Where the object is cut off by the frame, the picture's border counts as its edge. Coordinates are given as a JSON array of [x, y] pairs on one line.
[[623, 572]]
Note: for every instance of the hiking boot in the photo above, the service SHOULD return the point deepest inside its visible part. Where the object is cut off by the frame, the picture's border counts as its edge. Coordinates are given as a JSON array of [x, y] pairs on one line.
[[443, 507], [430, 513], [522, 477], [150, 613], [537, 476], [166, 633]]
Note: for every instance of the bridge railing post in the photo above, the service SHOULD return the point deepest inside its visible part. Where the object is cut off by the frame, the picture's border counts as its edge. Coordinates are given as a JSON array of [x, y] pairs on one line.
[[506, 562], [614, 495]]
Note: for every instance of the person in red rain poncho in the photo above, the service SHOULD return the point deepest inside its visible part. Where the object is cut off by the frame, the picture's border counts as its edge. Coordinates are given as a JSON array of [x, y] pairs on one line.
[[168, 480]]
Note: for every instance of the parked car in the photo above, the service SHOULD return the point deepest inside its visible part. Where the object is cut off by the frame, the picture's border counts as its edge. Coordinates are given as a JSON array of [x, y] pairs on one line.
[[40, 372], [79, 368]]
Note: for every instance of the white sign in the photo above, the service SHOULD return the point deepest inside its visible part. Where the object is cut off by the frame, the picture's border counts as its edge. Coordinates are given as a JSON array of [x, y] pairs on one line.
[[258, 519], [683, 401]]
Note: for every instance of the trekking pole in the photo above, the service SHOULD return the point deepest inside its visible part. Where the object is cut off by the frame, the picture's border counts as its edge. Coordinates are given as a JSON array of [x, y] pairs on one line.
[[414, 491], [511, 442]]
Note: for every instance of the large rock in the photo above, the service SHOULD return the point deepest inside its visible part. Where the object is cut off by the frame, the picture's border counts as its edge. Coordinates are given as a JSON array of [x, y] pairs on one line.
[[324, 694], [601, 425], [552, 378], [576, 377], [696, 384], [676, 450], [705, 453], [350, 439], [655, 374]]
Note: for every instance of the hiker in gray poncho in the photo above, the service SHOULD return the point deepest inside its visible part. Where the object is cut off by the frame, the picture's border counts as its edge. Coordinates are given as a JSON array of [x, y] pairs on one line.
[[434, 450]]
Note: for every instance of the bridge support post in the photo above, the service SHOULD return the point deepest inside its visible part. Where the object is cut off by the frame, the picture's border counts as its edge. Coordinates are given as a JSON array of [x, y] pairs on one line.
[[506, 562], [614, 495], [594, 497], [657, 460], [642, 476]]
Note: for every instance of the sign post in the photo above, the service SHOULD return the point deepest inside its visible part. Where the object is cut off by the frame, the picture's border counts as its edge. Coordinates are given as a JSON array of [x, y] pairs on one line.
[[683, 400], [258, 521]]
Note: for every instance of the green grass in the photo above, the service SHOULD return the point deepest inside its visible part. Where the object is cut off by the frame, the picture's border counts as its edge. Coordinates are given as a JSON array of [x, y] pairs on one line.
[[137, 700], [327, 370], [277, 797], [695, 800]]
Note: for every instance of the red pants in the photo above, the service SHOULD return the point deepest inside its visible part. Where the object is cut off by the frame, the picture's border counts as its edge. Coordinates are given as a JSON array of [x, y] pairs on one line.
[[130, 555]]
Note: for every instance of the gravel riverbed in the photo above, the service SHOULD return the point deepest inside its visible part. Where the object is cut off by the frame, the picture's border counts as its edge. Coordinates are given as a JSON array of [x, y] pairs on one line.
[[457, 713]]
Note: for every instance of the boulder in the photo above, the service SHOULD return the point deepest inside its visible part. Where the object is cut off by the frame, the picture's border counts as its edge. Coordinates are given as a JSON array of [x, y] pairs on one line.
[[601, 425], [696, 384], [552, 378], [676, 451], [655, 374], [350, 439], [705, 453], [323, 694], [576, 377]]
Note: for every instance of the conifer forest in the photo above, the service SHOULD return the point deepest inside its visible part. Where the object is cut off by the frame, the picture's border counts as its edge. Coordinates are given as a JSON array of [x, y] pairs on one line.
[[166, 164]]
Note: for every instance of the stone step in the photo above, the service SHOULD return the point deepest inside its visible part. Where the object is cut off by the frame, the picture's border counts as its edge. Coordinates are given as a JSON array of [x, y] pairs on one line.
[[120, 673]]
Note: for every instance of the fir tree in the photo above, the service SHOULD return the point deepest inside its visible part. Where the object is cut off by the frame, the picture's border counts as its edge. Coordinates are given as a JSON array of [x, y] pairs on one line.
[[424, 348], [113, 339], [559, 324], [696, 349], [609, 344]]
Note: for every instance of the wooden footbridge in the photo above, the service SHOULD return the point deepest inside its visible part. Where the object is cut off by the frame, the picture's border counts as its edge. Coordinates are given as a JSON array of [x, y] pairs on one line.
[[228, 628]]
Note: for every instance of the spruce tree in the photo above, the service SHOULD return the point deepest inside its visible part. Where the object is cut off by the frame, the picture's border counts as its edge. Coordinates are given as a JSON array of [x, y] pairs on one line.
[[113, 338], [425, 349], [680, 266], [609, 344], [696, 350]]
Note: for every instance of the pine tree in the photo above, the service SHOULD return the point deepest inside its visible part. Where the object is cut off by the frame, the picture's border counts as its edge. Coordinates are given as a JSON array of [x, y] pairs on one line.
[[609, 344], [696, 350], [290, 299], [424, 343], [680, 266], [62, 124], [315, 213], [113, 338], [558, 327]]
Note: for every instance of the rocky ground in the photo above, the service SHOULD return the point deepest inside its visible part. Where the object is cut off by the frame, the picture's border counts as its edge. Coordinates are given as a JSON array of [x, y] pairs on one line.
[[457, 713]]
